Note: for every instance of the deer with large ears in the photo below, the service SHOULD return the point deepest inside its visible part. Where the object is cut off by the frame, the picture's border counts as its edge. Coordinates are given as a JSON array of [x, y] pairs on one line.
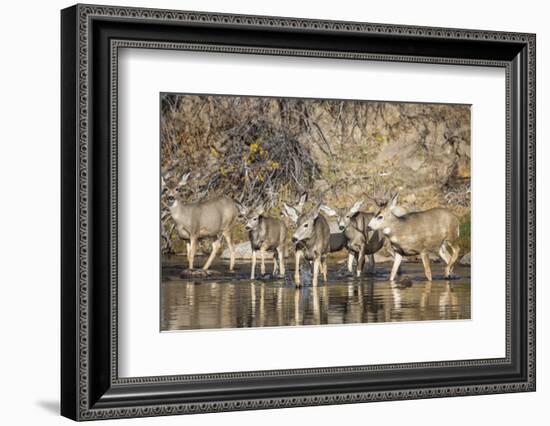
[[265, 234], [167, 224], [419, 233], [212, 218], [311, 238], [360, 241]]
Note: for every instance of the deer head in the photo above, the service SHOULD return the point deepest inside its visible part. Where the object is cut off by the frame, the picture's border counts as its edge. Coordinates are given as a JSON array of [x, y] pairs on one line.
[[343, 215], [304, 224], [253, 218], [173, 194], [384, 218]]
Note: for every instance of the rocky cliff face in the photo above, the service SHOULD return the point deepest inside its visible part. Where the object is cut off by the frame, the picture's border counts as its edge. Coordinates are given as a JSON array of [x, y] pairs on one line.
[[423, 150]]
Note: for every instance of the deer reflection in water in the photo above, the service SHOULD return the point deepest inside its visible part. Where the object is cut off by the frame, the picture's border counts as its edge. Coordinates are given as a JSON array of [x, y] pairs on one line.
[[226, 302]]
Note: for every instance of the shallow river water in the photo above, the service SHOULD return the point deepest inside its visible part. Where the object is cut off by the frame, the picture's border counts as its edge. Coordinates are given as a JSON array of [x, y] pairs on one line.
[[231, 300]]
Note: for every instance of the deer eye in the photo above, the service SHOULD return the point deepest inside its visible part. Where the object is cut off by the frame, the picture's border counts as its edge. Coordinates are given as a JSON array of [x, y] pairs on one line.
[[305, 225], [380, 217]]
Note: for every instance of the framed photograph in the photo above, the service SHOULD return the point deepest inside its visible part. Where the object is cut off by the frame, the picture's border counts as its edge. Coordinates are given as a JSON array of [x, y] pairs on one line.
[[263, 212]]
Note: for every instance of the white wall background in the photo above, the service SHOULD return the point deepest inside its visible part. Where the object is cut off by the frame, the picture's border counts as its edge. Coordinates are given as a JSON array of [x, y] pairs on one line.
[[29, 213]]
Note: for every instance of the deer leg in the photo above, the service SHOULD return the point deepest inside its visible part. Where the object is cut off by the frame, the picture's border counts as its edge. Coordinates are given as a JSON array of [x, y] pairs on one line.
[[316, 265], [275, 264], [361, 260], [444, 254], [215, 246], [372, 263], [280, 252], [452, 261], [262, 265], [395, 268], [426, 263], [324, 269], [231, 247], [297, 268], [192, 247], [253, 268], [351, 257]]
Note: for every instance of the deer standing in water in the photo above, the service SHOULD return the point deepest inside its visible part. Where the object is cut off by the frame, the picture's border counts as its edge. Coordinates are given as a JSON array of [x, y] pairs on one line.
[[265, 234], [212, 218], [360, 241], [311, 238], [419, 233]]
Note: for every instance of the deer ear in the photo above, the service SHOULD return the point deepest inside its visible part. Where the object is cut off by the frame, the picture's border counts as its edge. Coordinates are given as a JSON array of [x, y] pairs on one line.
[[242, 209], [393, 201], [290, 212], [184, 179], [315, 212], [303, 199], [355, 208], [162, 182], [260, 210], [399, 211], [328, 210]]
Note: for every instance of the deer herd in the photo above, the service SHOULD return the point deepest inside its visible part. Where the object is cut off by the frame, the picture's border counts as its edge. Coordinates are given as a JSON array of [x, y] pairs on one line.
[[361, 233]]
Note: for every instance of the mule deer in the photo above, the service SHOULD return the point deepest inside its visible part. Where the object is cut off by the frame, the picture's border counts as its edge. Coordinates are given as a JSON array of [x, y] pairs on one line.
[[419, 233], [360, 241], [265, 234], [311, 239], [204, 219], [167, 224], [337, 240]]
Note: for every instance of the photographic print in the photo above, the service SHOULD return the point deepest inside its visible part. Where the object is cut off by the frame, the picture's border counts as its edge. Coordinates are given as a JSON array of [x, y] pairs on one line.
[[300, 212]]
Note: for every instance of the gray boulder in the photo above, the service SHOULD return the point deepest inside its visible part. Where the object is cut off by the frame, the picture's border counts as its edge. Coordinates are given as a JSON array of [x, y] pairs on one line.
[[242, 251], [465, 260]]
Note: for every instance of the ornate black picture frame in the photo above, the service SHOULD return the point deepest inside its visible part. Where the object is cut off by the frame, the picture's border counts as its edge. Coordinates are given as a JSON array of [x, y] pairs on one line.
[[91, 36]]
